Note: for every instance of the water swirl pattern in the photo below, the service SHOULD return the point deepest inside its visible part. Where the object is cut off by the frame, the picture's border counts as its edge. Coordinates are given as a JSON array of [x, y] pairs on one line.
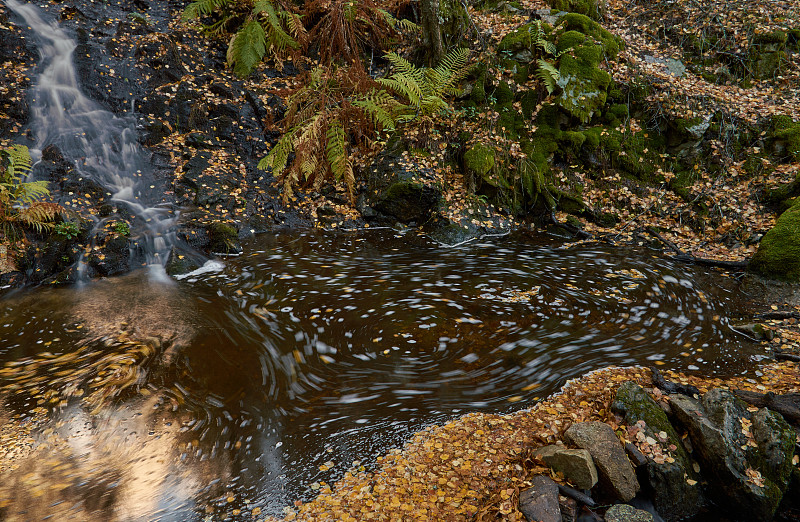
[[249, 379]]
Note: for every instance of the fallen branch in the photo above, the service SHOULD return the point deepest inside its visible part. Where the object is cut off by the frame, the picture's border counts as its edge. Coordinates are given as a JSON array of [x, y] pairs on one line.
[[576, 495], [778, 315], [787, 404], [672, 387], [683, 257], [780, 355], [575, 231]]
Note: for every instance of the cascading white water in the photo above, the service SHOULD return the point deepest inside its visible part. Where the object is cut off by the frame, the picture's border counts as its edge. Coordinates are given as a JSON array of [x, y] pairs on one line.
[[102, 145]]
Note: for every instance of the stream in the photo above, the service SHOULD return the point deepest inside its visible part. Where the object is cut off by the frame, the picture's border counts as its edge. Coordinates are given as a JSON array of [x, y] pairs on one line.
[[248, 381], [237, 388]]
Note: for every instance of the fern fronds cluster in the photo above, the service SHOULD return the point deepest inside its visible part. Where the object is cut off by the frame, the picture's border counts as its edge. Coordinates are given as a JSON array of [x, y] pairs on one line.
[[424, 88], [258, 28], [337, 109], [21, 202], [345, 28], [341, 29]]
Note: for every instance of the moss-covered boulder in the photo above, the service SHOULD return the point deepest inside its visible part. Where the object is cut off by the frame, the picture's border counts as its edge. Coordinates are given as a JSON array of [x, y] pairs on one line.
[[785, 137], [583, 83], [479, 160], [223, 239], [590, 8], [746, 457], [674, 498], [767, 53], [778, 255]]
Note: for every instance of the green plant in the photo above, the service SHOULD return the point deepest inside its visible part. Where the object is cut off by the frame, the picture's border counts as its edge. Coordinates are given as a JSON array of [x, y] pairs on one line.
[[335, 109], [423, 87], [259, 27], [66, 229], [20, 201], [122, 228]]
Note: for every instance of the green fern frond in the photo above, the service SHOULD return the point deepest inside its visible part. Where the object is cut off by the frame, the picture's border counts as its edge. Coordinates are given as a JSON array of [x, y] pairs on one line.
[[19, 162], [452, 68], [279, 154], [278, 38], [32, 191], [379, 106], [247, 48], [335, 149], [405, 67], [203, 8], [548, 74], [402, 23]]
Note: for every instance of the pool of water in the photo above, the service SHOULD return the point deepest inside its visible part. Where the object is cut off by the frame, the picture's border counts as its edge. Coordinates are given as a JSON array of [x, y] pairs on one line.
[[249, 380]]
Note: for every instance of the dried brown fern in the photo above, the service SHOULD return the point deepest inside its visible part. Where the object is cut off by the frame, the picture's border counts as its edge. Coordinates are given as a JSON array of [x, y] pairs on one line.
[[337, 109], [344, 28]]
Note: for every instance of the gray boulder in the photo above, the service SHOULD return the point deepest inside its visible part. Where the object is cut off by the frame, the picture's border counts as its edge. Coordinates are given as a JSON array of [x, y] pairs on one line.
[[576, 464], [540, 502], [747, 456], [671, 481], [617, 477]]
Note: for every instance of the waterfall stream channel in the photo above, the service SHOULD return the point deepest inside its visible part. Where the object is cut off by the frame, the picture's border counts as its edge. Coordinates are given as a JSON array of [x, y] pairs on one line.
[[234, 389], [103, 146]]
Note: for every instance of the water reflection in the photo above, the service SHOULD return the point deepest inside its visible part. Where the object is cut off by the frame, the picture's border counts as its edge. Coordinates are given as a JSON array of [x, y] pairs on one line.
[[318, 349]]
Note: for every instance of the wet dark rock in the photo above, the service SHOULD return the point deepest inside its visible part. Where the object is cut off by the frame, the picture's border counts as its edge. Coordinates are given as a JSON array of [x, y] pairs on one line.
[[718, 427], [569, 509], [626, 513], [540, 502], [755, 331], [674, 498], [13, 49], [50, 261], [396, 190], [617, 477], [112, 258], [160, 57], [223, 239], [182, 261], [576, 464], [205, 186]]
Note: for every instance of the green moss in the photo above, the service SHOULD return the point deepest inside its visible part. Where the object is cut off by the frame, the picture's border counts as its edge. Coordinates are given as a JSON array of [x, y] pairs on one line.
[[634, 403], [584, 24], [521, 38], [572, 140], [785, 137], [223, 238], [778, 255], [454, 21], [479, 159], [503, 94], [592, 136], [616, 114], [774, 461], [589, 8], [779, 197], [583, 83], [776, 37]]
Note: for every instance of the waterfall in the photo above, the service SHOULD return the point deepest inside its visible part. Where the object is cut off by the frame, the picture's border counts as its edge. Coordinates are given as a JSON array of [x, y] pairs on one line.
[[103, 147]]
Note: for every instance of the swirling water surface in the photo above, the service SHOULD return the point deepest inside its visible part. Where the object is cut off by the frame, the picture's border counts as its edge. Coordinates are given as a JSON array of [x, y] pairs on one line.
[[243, 383]]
